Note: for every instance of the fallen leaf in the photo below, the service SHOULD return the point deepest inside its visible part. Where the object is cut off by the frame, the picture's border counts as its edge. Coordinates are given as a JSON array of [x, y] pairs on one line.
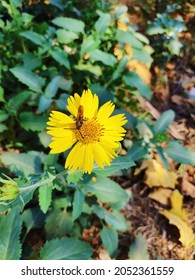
[[179, 218], [157, 175], [141, 69], [188, 188], [162, 195]]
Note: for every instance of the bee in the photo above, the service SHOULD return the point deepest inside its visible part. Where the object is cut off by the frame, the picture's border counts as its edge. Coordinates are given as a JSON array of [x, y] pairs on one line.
[[80, 117]]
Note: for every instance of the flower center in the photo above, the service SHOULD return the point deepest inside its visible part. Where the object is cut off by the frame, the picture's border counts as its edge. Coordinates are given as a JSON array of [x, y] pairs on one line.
[[89, 132]]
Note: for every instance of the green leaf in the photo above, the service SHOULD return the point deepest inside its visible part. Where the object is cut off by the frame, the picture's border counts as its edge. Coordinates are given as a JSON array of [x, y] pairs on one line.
[[31, 61], [105, 58], [3, 127], [2, 94], [22, 164], [137, 151], [99, 211], [11, 225], [164, 121], [58, 223], [160, 151], [118, 164], [52, 87], [138, 250], [44, 138], [103, 93], [18, 100], [45, 196], [133, 80], [109, 238], [94, 69], [127, 37], [78, 202], [102, 23], [116, 220], [71, 24], [89, 44], [74, 177], [30, 121], [66, 249], [61, 57], [30, 79], [142, 55], [33, 218], [34, 37], [44, 104], [106, 190], [180, 153], [66, 37]]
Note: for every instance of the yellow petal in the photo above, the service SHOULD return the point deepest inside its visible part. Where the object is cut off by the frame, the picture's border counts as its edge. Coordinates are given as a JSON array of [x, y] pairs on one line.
[[105, 111], [59, 119], [73, 104], [90, 104]]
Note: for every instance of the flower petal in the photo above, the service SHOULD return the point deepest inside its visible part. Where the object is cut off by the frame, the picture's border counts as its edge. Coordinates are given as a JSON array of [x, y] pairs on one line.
[[105, 111], [90, 104], [73, 104]]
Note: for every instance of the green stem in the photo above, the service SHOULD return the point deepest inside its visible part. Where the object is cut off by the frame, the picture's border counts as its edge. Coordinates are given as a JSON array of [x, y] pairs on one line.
[[14, 13], [36, 185]]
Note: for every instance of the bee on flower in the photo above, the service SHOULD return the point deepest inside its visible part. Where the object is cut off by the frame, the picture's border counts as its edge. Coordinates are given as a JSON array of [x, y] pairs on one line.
[[90, 130]]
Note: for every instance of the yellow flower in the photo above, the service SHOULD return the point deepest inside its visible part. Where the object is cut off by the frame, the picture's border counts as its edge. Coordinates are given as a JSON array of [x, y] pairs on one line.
[[9, 190], [93, 133]]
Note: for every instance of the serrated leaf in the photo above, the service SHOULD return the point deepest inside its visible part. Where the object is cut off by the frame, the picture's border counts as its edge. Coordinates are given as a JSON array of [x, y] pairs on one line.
[[69, 24], [180, 153], [106, 58], [164, 121], [30, 79], [61, 57], [106, 190], [138, 250], [18, 100], [59, 222], [34, 37], [74, 177], [31, 61], [45, 195], [33, 218], [66, 249], [22, 164], [30, 121], [118, 164], [109, 238], [78, 202], [178, 217], [11, 225], [133, 80]]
